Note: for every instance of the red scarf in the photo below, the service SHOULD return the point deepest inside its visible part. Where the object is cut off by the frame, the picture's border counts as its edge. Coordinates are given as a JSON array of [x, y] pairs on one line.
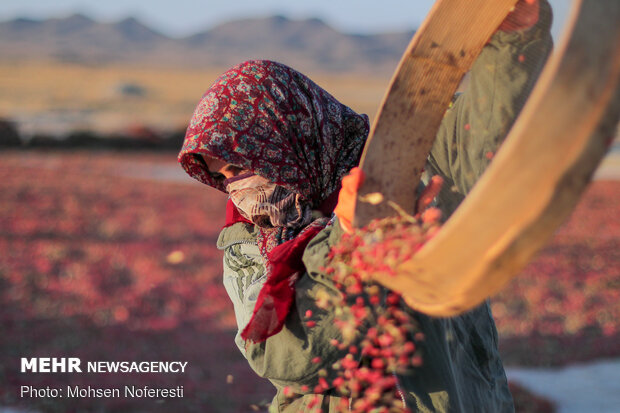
[[284, 266]]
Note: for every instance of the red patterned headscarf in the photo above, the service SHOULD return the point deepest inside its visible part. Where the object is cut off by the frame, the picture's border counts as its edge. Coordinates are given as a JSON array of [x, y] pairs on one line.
[[272, 120], [268, 118]]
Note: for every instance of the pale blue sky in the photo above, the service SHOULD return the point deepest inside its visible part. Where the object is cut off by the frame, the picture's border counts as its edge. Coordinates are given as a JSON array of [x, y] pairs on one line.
[[183, 17]]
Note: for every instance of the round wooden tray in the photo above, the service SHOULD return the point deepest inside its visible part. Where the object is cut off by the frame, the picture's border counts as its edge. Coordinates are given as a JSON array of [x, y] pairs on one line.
[[535, 178]]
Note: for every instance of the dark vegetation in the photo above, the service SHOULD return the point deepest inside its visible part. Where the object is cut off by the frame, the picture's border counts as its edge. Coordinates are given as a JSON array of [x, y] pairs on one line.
[[136, 138]]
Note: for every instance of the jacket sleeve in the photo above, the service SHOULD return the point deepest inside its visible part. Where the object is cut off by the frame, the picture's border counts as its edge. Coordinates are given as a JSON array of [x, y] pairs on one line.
[[479, 119], [295, 355]]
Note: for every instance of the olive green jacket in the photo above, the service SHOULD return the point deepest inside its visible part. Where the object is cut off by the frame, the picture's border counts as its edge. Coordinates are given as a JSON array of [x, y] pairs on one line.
[[462, 371]]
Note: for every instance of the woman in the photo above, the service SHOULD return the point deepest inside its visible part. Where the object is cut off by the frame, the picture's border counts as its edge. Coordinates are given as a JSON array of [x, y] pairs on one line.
[[280, 145]]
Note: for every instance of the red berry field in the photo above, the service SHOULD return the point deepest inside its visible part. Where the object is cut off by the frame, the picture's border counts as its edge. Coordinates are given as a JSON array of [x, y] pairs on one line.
[[98, 261]]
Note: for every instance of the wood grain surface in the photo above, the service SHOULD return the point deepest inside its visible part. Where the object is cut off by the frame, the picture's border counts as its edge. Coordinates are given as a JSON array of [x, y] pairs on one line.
[[440, 53], [535, 179]]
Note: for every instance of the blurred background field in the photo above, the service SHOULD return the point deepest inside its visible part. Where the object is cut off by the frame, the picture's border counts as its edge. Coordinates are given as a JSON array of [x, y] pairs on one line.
[[103, 262], [108, 248]]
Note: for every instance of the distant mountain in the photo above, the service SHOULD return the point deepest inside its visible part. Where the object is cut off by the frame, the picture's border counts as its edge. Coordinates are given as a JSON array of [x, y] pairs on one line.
[[310, 41], [304, 44], [79, 38]]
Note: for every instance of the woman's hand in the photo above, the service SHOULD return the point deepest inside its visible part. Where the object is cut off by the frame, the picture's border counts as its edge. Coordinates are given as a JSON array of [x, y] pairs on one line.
[[428, 194], [524, 15], [345, 209]]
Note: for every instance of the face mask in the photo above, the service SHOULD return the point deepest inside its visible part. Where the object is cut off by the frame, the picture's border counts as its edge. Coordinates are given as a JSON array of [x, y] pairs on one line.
[[267, 204]]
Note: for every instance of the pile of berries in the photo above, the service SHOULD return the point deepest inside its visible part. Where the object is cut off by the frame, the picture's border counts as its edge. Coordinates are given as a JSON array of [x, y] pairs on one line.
[[379, 332]]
